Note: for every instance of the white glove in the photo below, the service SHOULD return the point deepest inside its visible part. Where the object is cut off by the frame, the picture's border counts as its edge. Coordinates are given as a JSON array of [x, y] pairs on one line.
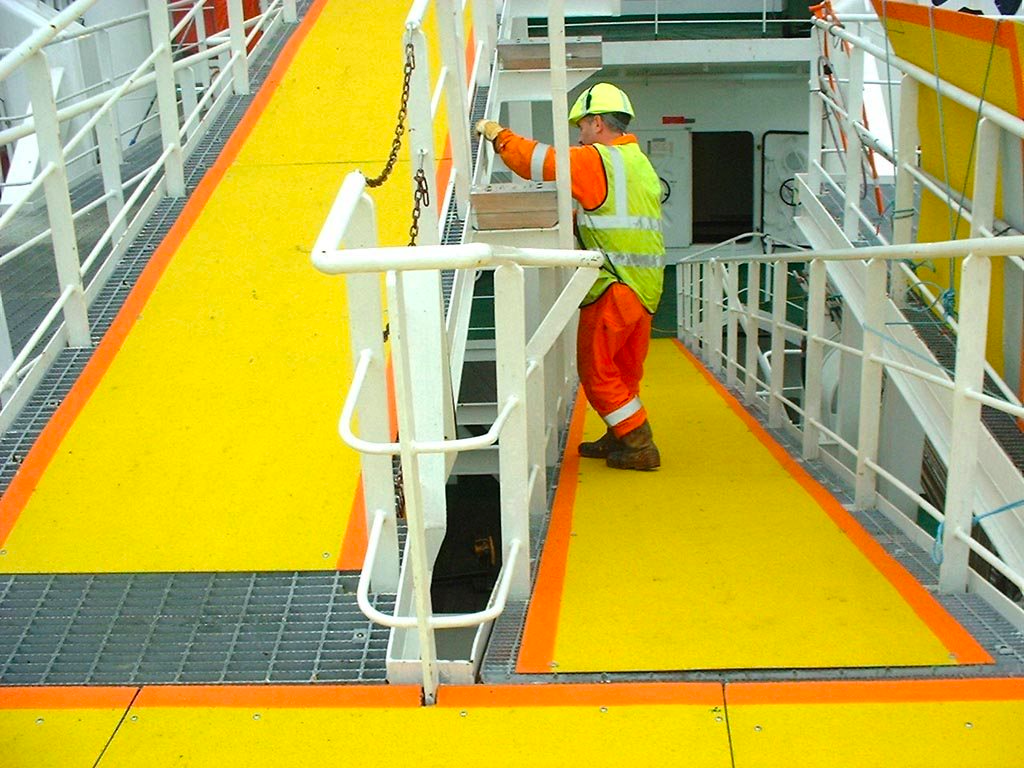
[[489, 129]]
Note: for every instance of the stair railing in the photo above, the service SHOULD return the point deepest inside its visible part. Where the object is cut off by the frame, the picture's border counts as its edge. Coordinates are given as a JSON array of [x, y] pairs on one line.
[[709, 292], [95, 113], [351, 222]]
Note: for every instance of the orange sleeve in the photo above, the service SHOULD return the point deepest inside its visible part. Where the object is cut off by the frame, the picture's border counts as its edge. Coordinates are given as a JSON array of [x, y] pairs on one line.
[[589, 183]]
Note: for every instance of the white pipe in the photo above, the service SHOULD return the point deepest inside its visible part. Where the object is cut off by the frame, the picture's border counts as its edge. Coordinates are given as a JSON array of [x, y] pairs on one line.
[[34, 42]]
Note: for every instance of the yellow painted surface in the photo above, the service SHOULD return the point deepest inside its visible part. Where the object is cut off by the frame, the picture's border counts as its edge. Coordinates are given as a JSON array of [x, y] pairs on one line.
[[556, 736], [982, 734], [54, 738], [947, 133], [720, 559], [211, 442]]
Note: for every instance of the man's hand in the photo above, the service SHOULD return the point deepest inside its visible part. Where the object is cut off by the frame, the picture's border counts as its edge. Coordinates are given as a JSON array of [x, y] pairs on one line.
[[489, 129]]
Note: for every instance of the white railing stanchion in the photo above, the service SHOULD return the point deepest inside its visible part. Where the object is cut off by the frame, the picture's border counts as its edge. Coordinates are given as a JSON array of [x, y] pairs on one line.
[[714, 310], [854, 146], [513, 462], [239, 58], [975, 284], [777, 377], [903, 206], [816, 116], [449, 20], [58, 198], [106, 135], [732, 303], [290, 12], [752, 328], [815, 355], [870, 385], [167, 99]]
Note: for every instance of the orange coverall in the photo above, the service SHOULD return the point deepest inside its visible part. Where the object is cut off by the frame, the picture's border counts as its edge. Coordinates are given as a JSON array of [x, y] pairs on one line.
[[614, 331]]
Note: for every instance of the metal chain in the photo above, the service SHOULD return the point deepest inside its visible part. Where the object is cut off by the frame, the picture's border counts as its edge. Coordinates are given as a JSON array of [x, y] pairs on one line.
[[396, 143], [420, 197]]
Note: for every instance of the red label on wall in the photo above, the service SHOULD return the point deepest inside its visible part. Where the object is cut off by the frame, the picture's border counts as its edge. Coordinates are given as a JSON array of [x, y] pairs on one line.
[[676, 120]]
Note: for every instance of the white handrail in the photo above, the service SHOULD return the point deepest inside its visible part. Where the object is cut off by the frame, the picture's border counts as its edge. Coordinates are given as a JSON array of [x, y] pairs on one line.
[[44, 34], [435, 621], [391, 449]]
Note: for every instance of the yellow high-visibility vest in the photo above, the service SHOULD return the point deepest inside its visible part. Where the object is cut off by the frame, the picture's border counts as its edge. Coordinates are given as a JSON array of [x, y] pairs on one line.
[[626, 227]]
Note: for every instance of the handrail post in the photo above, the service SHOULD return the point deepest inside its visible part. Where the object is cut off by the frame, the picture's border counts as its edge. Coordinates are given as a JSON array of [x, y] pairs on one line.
[[906, 157], [290, 12], [513, 462], [777, 377], [975, 284], [752, 330], [416, 422], [58, 198], [715, 315], [854, 147], [815, 356], [816, 115], [448, 22], [868, 422], [732, 321], [560, 119], [971, 340], [167, 99], [485, 30], [236, 28], [106, 134]]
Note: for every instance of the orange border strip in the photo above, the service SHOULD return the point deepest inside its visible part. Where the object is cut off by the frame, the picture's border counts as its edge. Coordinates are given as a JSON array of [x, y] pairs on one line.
[[959, 642], [63, 697], [49, 440], [978, 28], [875, 691], [279, 696], [537, 650], [581, 695]]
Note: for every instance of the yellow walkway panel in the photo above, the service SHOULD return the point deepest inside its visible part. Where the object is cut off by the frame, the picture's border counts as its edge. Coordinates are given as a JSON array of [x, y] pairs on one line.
[[59, 727], [728, 557], [911, 724], [202, 435]]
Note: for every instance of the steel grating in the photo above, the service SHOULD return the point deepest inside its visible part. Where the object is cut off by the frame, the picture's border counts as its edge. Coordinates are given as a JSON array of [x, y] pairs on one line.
[[136, 629]]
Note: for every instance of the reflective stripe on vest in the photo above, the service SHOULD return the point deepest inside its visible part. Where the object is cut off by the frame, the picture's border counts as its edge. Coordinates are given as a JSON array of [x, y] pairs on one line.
[[626, 227]]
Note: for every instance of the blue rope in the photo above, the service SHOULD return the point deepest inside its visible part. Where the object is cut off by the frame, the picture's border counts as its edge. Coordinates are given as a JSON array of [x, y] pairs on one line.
[[937, 546]]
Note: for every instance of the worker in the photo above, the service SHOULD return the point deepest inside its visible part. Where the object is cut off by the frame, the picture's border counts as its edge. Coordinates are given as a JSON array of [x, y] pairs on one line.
[[618, 195]]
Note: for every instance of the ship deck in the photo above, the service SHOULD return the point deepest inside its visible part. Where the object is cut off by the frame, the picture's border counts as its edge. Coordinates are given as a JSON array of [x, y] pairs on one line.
[[179, 544]]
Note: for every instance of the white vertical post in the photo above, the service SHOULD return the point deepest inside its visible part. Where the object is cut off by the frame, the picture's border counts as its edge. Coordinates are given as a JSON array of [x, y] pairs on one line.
[[816, 115], [58, 197], [732, 321], [868, 422], [854, 150], [414, 415], [975, 283], [815, 355], [236, 28], [906, 157], [106, 134], [714, 309], [203, 66], [6, 349], [290, 13], [423, 297], [777, 377], [752, 328], [975, 286], [448, 22], [365, 322], [560, 119], [485, 30], [187, 84], [513, 465], [166, 96]]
